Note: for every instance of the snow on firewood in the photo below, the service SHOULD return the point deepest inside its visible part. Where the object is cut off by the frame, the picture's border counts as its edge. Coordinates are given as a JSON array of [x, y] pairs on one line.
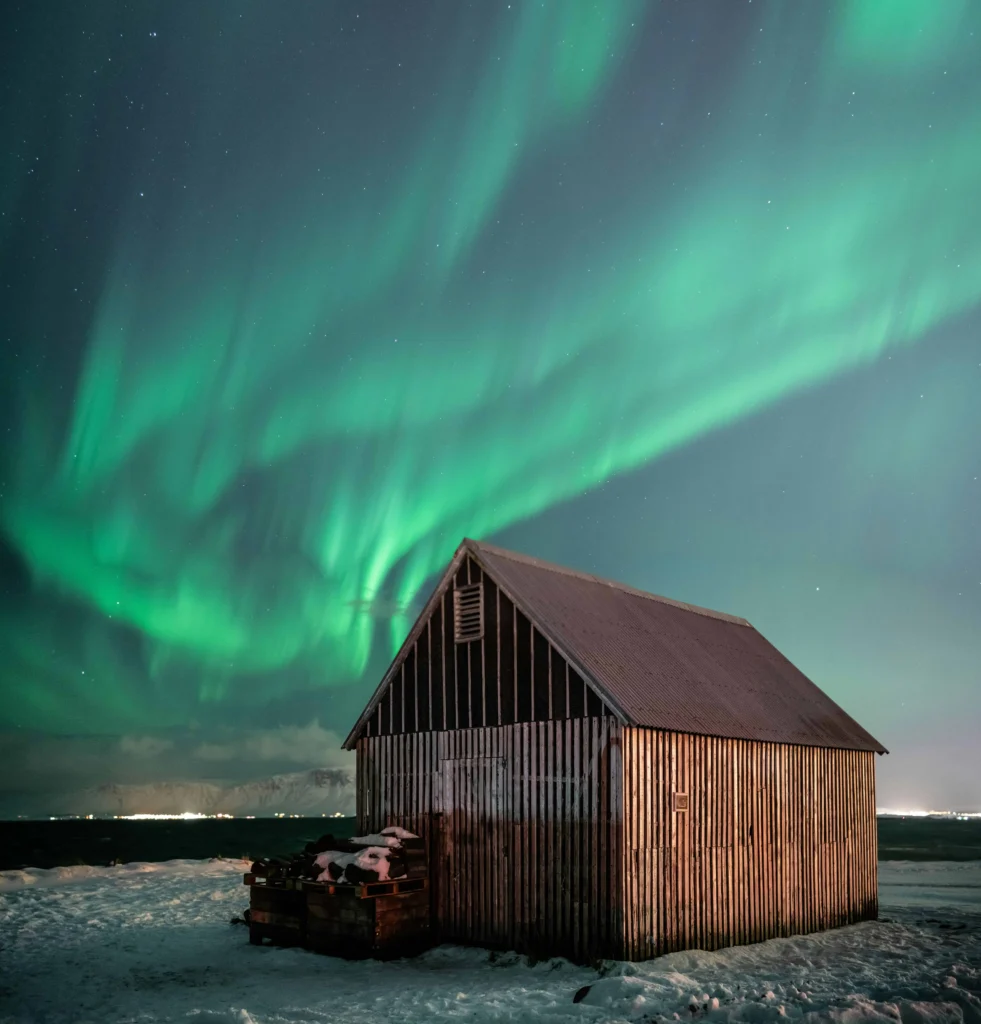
[[399, 833], [378, 839], [375, 858], [333, 859], [372, 864]]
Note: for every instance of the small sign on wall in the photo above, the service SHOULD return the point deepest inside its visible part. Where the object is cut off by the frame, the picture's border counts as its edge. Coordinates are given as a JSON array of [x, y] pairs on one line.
[[679, 802]]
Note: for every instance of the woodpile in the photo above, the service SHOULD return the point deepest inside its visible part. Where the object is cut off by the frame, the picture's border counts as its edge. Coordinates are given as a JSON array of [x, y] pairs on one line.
[[385, 856], [342, 923], [362, 897]]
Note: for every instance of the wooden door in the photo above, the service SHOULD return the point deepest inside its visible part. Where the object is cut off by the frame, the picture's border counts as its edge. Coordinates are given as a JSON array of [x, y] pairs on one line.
[[474, 869]]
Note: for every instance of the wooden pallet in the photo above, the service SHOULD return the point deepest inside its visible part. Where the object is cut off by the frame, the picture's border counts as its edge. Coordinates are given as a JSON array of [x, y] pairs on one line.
[[273, 883], [277, 915], [367, 890], [387, 926]]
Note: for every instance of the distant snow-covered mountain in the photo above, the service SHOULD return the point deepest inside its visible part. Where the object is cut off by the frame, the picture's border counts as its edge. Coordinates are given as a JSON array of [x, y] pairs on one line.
[[318, 791]]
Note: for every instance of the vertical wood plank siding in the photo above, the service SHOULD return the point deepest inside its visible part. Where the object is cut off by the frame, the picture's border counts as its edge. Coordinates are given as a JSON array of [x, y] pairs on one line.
[[512, 674], [523, 825], [777, 840]]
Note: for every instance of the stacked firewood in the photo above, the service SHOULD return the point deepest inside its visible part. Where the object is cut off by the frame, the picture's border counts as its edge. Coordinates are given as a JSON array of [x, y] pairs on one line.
[[389, 855]]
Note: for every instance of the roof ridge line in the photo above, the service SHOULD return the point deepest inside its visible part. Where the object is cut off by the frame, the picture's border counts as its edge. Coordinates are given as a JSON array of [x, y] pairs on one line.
[[539, 563]]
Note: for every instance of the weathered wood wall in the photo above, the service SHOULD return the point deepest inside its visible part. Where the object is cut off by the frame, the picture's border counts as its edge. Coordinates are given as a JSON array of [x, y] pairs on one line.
[[523, 824], [512, 674], [776, 840], [562, 837]]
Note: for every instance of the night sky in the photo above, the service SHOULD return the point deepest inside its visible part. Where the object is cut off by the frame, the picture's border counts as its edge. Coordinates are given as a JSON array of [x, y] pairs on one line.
[[295, 296]]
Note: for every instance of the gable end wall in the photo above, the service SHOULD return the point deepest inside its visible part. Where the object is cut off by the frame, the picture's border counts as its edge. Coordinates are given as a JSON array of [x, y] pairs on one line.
[[511, 675]]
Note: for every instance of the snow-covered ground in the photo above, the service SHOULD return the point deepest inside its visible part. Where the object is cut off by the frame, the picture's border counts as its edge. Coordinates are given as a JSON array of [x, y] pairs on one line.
[[152, 942]]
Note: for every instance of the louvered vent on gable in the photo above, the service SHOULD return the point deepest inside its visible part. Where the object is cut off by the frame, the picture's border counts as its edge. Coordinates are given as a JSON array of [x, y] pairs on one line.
[[468, 613]]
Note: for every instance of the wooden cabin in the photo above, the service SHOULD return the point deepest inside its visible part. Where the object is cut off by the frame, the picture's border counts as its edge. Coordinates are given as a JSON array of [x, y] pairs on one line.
[[602, 773]]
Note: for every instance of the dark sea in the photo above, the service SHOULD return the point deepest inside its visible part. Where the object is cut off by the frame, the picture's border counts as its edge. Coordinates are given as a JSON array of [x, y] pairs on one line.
[[47, 844], [50, 844]]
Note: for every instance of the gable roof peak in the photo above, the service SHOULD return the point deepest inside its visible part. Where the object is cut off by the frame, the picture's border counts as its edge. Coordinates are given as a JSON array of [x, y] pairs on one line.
[[656, 663], [476, 547]]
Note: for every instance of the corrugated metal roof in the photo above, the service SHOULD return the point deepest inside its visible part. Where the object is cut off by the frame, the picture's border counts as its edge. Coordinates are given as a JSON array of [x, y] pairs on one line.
[[667, 665]]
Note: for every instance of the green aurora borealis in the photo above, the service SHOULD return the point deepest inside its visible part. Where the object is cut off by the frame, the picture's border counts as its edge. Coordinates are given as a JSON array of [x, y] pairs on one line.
[[296, 302]]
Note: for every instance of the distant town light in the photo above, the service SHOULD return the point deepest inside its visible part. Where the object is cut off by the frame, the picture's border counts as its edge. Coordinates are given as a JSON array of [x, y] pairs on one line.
[[888, 812], [199, 816], [186, 816]]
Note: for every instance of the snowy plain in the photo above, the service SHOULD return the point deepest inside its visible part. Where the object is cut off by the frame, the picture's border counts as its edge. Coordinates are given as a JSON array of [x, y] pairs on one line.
[[147, 943]]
